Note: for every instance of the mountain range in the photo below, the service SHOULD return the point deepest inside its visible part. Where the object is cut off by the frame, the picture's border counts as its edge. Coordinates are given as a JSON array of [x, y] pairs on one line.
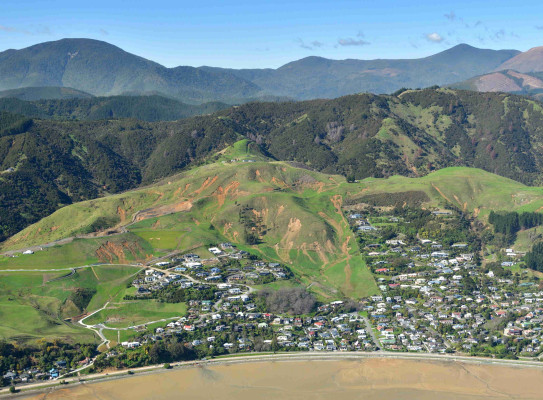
[[101, 69]]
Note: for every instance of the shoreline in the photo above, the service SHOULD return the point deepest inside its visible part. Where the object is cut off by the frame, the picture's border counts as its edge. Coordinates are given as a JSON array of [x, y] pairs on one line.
[[48, 387]]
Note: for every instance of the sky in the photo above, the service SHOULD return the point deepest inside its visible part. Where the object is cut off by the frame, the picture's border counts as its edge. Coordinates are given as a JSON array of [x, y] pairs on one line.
[[268, 34]]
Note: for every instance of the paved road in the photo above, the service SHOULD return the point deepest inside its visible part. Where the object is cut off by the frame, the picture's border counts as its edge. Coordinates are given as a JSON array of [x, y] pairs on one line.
[[369, 330], [93, 328]]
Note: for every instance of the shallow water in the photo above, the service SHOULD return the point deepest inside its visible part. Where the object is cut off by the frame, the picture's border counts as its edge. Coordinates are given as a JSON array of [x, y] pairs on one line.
[[366, 379]]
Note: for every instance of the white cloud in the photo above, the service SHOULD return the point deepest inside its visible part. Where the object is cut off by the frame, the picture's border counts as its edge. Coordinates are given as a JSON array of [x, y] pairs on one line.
[[434, 37]]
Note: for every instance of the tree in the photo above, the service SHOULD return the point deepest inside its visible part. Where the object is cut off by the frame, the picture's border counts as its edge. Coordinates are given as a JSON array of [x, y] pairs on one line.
[[274, 345]]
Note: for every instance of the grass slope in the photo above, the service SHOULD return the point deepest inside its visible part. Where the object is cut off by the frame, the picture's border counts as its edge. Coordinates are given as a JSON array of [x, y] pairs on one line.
[[296, 214], [35, 305], [469, 189]]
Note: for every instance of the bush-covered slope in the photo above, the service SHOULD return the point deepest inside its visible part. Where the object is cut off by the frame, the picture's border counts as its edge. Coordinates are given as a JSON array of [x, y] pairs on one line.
[[145, 108], [359, 136]]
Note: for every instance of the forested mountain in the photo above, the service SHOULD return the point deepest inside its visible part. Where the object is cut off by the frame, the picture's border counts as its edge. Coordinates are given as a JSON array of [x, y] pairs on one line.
[[102, 69], [316, 77], [145, 108], [44, 93], [49, 163]]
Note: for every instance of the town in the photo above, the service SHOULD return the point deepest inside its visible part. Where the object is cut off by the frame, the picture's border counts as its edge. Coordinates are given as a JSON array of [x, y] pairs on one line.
[[436, 296]]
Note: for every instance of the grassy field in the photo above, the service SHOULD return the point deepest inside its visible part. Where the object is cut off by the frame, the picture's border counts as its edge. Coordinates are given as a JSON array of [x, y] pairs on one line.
[[138, 312], [36, 305]]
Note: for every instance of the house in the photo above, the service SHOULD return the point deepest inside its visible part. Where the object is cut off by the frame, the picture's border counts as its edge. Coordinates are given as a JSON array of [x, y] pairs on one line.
[[131, 345], [10, 375], [215, 251], [162, 263]]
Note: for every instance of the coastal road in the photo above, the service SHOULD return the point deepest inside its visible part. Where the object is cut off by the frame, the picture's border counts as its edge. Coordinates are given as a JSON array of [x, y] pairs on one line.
[[306, 356]]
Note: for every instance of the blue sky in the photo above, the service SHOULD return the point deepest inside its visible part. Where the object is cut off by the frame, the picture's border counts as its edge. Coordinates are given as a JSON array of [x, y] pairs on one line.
[[259, 34]]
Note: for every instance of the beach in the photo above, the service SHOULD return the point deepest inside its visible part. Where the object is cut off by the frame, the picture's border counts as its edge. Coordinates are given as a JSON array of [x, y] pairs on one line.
[[376, 378]]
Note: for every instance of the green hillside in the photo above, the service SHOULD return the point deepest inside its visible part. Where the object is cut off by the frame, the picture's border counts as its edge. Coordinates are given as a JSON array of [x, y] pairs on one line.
[[273, 209], [48, 164], [36, 305], [468, 189]]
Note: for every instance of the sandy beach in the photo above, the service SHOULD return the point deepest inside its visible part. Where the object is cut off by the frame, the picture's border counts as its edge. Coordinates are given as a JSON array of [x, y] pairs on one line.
[[320, 379]]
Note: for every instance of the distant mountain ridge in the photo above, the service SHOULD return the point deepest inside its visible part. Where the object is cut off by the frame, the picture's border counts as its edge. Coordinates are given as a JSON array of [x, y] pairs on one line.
[[102, 69], [317, 77], [521, 74], [509, 81], [528, 61]]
